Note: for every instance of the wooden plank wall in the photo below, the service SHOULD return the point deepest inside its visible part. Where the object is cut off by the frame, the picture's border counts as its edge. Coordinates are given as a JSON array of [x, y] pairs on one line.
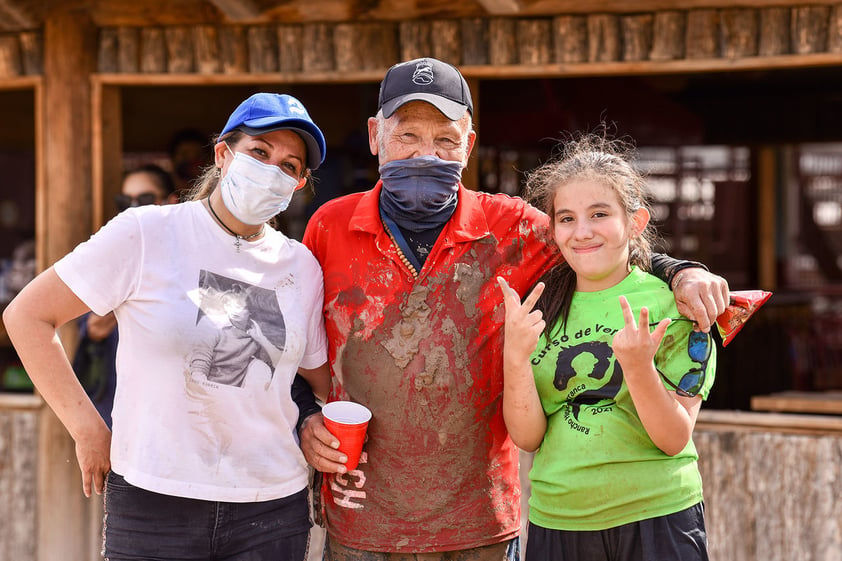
[[723, 34], [695, 34], [18, 482], [771, 496]]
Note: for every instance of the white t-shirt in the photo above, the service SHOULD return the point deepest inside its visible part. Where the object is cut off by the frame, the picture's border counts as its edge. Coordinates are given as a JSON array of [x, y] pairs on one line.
[[203, 407]]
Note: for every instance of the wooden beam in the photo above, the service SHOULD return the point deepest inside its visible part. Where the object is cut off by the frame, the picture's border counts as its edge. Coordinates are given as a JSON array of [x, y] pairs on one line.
[[501, 7], [16, 15], [238, 10]]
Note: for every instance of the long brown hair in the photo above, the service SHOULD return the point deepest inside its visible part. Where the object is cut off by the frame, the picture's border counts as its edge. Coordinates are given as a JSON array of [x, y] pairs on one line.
[[595, 157]]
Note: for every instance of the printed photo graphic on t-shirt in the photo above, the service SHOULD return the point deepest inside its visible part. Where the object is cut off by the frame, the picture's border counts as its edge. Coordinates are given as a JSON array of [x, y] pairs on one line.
[[241, 333]]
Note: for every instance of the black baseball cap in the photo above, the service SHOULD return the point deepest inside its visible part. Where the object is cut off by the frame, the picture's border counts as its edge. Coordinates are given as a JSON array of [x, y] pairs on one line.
[[426, 79]]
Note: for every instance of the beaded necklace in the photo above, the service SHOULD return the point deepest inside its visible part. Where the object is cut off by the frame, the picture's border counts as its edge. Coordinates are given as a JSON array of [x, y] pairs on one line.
[[401, 255]]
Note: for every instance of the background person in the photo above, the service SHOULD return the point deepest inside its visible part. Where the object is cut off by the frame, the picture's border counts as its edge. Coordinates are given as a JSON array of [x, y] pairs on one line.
[[414, 321], [190, 462], [190, 156], [96, 349], [609, 406]]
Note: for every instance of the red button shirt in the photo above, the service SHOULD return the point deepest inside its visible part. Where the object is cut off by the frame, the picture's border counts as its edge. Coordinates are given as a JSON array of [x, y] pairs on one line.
[[425, 354]]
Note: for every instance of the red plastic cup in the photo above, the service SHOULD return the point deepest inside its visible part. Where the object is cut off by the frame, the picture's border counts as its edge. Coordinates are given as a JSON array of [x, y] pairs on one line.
[[348, 422]]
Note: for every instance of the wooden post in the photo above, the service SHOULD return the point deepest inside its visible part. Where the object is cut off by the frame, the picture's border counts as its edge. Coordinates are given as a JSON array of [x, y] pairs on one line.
[[774, 32], [233, 49], [318, 55], [502, 45], [534, 41], [108, 44], [153, 50], [32, 52], [9, 56], [263, 49], [668, 35], [415, 41], [834, 32], [474, 41], [206, 41], [447, 41], [290, 48], [702, 34], [739, 32], [603, 38], [809, 29], [570, 39], [470, 175], [106, 151], [179, 49], [378, 45], [637, 36], [766, 212], [64, 530], [128, 48]]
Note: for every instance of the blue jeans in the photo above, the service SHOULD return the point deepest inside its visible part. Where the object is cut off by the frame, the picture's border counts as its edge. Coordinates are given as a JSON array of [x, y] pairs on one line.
[[142, 525]]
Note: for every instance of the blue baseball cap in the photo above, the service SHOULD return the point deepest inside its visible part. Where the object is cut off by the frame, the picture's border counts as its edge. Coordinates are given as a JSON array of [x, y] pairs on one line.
[[267, 112]]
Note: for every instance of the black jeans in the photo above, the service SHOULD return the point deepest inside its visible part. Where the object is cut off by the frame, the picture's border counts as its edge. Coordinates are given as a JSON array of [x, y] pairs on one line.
[[142, 525]]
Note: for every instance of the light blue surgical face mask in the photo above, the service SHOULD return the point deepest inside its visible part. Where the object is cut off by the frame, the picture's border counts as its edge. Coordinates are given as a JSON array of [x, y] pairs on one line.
[[253, 191], [420, 193]]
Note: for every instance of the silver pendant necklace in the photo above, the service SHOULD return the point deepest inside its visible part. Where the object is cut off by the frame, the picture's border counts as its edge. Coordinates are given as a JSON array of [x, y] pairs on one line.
[[237, 237]]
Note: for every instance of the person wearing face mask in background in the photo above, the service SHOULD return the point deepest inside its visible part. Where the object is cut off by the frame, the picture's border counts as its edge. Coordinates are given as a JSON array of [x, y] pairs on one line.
[[414, 319], [96, 350], [198, 469]]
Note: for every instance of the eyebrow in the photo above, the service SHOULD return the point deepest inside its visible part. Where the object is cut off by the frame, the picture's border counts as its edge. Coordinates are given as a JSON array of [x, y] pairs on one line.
[[595, 206], [289, 154]]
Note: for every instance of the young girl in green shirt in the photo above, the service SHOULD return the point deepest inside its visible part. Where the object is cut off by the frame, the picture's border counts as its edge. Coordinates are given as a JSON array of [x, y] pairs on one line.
[[603, 377]]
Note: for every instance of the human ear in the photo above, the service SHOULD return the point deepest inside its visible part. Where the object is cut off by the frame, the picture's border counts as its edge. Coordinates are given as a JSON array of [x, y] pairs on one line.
[[220, 152], [640, 219]]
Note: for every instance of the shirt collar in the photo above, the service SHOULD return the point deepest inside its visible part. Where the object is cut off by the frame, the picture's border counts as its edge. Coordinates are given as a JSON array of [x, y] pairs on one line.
[[468, 222]]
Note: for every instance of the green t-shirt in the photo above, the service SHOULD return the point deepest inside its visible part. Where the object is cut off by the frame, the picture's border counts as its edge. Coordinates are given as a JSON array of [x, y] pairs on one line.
[[596, 467]]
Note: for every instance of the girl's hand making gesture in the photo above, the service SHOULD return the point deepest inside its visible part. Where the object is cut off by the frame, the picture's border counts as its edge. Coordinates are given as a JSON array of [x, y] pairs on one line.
[[668, 419], [522, 410], [523, 324], [634, 344]]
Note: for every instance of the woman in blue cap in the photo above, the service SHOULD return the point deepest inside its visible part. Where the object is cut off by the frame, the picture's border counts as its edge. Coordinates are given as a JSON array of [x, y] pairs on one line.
[[203, 462]]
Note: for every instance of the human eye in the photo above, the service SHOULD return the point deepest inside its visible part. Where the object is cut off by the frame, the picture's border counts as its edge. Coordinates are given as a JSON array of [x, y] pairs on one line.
[[291, 168], [259, 153], [448, 142]]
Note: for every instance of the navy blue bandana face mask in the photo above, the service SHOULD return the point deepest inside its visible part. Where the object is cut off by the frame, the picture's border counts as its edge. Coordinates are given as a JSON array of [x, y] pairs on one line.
[[420, 193]]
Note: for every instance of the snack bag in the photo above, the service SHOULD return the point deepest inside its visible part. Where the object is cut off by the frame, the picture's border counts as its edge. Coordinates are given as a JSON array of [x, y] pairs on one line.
[[742, 305]]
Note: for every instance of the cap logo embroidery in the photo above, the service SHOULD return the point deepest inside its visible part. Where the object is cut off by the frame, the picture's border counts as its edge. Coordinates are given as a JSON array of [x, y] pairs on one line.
[[296, 107], [423, 75]]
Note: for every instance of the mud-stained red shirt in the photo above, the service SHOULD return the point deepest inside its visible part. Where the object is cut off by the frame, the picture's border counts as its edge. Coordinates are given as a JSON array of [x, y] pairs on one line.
[[425, 354]]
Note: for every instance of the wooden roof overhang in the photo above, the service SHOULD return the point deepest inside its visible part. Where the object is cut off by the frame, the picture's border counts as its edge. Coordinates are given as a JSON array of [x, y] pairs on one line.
[[327, 40]]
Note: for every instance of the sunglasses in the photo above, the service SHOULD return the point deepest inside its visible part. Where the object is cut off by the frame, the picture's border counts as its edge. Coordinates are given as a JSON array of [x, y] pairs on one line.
[[698, 348], [124, 201]]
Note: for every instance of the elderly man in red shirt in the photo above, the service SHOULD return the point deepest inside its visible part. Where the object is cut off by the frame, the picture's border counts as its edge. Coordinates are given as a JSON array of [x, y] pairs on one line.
[[414, 322]]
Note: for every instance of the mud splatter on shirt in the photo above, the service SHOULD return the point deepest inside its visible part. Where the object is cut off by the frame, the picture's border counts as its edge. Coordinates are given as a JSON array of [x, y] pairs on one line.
[[425, 355]]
